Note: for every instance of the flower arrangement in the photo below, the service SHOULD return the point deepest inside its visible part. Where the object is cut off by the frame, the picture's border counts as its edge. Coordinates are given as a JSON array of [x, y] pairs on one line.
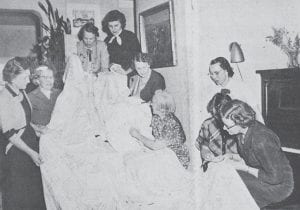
[[288, 45]]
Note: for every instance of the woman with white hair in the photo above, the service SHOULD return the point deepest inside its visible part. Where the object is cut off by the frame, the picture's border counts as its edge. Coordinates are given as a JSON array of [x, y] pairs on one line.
[[166, 128], [43, 98]]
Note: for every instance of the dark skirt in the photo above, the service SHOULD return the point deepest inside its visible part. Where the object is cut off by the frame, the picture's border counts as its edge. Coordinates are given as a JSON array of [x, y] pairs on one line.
[[264, 193], [22, 187]]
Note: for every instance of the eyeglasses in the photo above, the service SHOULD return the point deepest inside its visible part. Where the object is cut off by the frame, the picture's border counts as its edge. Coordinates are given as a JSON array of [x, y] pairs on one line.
[[216, 73], [47, 77]]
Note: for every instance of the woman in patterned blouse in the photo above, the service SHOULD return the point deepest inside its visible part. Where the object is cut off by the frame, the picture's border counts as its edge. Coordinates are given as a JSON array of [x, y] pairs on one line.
[[166, 128]]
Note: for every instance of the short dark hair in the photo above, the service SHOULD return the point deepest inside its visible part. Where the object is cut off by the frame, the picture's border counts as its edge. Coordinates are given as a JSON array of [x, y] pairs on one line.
[[113, 15], [143, 57], [224, 64], [88, 27], [14, 67], [217, 101]]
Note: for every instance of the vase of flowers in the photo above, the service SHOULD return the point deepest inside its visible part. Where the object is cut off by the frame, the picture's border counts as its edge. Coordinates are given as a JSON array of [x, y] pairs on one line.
[[288, 45]]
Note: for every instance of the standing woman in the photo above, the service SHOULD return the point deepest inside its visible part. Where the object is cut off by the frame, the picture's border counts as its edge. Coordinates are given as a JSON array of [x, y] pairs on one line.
[[122, 44], [221, 73], [92, 52], [264, 167], [23, 184]]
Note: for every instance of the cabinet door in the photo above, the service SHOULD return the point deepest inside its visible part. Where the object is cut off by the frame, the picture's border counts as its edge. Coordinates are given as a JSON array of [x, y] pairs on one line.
[[283, 110]]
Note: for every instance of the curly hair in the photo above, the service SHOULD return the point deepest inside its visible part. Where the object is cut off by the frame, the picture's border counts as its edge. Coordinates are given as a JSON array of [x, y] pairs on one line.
[[165, 101], [224, 64], [113, 15], [14, 67], [239, 112], [88, 27]]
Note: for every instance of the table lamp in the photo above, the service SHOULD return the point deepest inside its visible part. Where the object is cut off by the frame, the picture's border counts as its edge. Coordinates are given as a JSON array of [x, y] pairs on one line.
[[236, 55]]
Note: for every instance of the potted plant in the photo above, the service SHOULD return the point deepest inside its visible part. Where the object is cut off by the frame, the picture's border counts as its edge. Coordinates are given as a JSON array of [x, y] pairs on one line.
[[56, 29], [288, 45]]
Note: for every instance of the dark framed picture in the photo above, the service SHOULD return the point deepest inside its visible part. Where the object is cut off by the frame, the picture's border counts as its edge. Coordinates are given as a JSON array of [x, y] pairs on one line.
[[158, 35]]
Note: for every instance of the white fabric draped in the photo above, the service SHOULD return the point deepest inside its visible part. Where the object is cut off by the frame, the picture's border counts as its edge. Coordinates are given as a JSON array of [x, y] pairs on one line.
[[82, 171]]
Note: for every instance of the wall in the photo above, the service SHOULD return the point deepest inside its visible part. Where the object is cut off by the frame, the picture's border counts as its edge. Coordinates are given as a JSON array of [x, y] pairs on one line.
[[247, 22], [175, 77], [125, 6]]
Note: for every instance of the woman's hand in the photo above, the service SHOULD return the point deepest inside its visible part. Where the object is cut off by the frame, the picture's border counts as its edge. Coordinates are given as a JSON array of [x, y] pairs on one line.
[[20, 133], [135, 133], [117, 68], [237, 163], [39, 129], [36, 158]]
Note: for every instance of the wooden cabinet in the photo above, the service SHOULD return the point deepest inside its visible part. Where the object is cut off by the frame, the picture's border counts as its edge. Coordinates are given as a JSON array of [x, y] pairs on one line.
[[280, 89], [281, 104]]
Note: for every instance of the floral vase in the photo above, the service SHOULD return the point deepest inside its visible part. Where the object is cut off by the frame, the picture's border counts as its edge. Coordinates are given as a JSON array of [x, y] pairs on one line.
[[293, 60]]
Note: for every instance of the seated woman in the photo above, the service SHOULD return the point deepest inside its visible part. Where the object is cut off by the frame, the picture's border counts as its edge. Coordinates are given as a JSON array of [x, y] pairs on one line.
[[43, 98], [147, 81], [92, 52], [166, 128], [22, 185], [267, 172], [212, 140]]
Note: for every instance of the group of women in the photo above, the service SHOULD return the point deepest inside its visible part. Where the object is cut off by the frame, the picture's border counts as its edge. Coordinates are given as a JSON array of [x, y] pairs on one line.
[[99, 152]]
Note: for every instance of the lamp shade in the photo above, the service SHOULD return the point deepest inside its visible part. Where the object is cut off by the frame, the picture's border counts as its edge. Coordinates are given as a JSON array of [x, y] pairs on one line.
[[236, 53]]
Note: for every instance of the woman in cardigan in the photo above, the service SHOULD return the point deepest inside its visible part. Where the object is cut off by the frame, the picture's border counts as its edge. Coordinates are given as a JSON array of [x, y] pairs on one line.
[[92, 52], [263, 166], [23, 184]]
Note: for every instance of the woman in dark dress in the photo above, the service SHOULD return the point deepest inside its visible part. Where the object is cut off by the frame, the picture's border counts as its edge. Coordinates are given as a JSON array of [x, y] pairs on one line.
[[147, 81], [122, 44], [23, 184], [263, 166]]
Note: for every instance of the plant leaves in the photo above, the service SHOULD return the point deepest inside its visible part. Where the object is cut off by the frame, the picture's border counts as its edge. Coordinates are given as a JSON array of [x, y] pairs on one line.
[[50, 9], [43, 7], [65, 26], [45, 27], [56, 15]]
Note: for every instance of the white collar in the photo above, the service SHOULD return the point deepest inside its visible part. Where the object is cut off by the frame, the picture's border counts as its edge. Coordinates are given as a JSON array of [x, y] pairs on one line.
[[117, 37], [47, 93]]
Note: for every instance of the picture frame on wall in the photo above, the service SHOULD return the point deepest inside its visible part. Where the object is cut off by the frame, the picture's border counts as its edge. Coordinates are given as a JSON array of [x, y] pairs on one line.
[[157, 34], [80, 14]]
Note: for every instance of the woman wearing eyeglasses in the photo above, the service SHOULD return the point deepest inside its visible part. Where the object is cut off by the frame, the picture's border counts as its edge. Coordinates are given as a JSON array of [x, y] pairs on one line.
[[221, 73], [264, 167]]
